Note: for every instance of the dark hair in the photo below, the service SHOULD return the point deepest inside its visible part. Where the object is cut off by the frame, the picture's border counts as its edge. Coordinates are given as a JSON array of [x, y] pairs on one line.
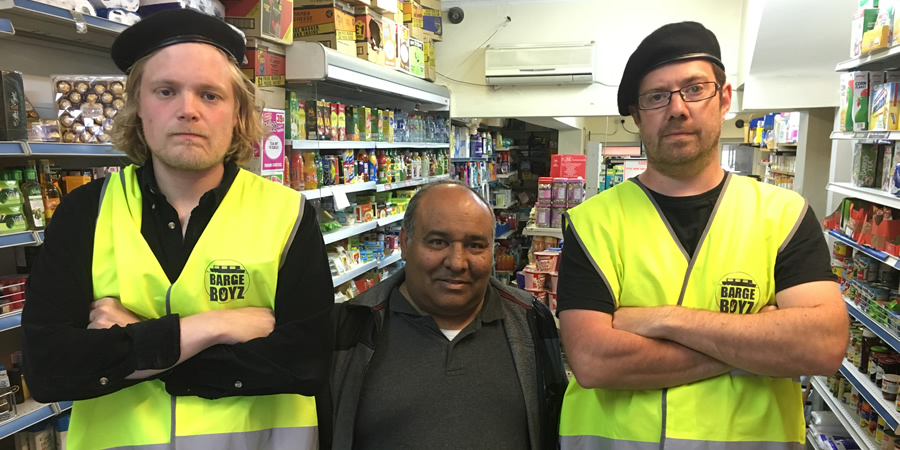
[[409, 218]]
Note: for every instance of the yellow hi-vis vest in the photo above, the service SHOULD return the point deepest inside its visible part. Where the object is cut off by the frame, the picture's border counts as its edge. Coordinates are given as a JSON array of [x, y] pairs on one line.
[[632, 244], [233, 265]]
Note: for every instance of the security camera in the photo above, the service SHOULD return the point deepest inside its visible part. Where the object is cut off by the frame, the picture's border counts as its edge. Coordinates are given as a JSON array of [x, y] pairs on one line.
[[456, 14], [739, 123]]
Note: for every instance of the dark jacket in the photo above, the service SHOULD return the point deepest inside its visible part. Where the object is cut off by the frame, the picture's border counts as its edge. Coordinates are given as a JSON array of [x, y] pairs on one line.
[[533, 341]]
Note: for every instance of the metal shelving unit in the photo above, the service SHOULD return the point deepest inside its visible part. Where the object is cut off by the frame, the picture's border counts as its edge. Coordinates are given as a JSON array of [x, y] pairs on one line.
[[535, 231], [345, 232], [390, 219], [21, 148], [53, 24], [343, 145], [409, 183], [388, 260], [885, 258], [353, 273], [844, 414], [867, 194], [886, 409]]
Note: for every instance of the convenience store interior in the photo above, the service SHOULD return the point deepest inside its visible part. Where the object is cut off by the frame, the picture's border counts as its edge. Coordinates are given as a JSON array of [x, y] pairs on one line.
[[511, 140]]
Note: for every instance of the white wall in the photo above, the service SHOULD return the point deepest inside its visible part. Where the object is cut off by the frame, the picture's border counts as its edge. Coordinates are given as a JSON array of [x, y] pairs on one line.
[[617, 27]]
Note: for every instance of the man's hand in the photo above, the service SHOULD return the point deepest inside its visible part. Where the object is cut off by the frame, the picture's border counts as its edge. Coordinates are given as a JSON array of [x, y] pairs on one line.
[[245, 324], [107, 312], [647, 321], [640, 320]]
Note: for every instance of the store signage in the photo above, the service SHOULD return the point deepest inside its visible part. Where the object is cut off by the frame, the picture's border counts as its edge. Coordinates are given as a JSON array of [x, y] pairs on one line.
[[634, 167]]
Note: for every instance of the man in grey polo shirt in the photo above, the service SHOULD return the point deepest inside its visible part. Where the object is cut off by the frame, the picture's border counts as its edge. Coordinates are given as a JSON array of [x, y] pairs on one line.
[[442, 355]]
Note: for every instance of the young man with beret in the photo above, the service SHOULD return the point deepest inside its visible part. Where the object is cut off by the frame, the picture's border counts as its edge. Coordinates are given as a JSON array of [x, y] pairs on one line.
[[690, 299], [183, 302]]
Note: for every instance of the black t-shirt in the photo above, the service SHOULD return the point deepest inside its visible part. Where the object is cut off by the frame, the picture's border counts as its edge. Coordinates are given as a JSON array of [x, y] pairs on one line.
[[804, 259]]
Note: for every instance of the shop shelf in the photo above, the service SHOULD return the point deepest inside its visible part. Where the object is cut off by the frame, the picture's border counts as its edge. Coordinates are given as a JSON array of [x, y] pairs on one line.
[[390, 259], [345, 232], [54, 24], [40, 236], [29, 413], [63, 406], [504, 176], [11, 320], [390, 219], [535, 231], [345, 188], [13, 148], [884, 59], [462, 160], [354, 80], [409, 183], [330, 145], [353, 273], [506, 235], [782, 172], [887, 410], [508, 205], [885, 258], [844, 414], [431, 145], [888, 336], [867, 194], [17, 239], [866, 135], [63, 149]]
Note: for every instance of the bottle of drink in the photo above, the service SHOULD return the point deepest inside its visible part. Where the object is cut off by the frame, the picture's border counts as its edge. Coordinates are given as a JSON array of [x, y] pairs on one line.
[[34, 201], [417, 165], [320, 170], [407, 164], [362, 162], [372, 166], [296, 165], [382, 167], [49, 191], [310, 172]]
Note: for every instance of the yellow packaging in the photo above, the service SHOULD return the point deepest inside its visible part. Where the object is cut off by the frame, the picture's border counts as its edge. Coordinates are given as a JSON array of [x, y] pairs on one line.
[[430, 65], [878, 100], [892, 81], [388, 126], [876, 39], [389, 42], [379, 125], [367, 114]]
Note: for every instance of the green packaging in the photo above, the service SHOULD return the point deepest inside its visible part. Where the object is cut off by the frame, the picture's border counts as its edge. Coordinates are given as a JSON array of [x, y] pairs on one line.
[[12, 219], [865, 163], [860, 106]]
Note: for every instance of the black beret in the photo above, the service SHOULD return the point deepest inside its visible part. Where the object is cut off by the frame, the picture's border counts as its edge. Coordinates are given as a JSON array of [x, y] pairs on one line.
[[670, 43], [175, 26]]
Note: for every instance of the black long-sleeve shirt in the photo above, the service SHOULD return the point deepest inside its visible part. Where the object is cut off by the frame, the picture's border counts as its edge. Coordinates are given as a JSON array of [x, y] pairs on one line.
[[66, 361]]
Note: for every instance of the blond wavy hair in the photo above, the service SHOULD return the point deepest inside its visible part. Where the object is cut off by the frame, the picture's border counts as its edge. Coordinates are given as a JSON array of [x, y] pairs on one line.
[[128, 133]]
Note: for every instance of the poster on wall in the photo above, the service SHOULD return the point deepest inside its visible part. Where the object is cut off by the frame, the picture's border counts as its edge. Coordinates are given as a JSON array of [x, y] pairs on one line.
[[634, 167]]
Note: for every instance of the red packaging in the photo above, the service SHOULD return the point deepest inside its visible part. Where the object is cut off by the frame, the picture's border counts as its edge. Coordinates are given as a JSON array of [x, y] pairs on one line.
[[568, 166]]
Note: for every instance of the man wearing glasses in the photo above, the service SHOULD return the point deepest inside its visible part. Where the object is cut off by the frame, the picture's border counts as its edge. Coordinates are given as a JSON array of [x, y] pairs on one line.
[[690, 299]]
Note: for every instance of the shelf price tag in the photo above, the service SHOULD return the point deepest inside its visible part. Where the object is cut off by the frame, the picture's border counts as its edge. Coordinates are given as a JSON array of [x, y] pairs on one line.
[[879, 134], [340, 200]]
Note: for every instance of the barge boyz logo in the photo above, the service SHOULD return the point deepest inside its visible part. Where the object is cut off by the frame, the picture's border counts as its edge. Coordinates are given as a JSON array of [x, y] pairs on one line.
[[226, 281], [738, 293]]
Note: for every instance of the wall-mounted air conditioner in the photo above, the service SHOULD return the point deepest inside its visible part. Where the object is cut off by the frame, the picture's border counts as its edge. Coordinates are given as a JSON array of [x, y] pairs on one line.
[[540, 64]]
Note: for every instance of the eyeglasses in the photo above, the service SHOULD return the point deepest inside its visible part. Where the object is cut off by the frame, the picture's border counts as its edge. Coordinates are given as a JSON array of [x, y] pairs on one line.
[[693, 93]]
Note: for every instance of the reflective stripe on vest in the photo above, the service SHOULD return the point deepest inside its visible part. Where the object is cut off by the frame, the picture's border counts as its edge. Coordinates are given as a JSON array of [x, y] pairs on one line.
[[624, 232], [224, 271]]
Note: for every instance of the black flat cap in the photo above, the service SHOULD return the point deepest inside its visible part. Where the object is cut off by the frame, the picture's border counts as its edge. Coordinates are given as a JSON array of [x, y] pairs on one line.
[[175, 26], [670, 43]]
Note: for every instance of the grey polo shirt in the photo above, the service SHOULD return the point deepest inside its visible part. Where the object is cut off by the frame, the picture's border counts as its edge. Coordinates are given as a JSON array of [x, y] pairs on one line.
[[424, 391]]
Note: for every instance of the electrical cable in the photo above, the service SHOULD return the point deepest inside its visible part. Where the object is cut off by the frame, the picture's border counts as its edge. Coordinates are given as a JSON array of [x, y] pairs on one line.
[[622, 121], [463, 82], [464, 61], [606, 85]]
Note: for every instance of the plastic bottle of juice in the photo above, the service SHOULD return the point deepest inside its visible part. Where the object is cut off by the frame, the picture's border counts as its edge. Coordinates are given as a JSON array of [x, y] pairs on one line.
[[389, 166], [310, 174], [34, 201], [372, 166], [297, 173]]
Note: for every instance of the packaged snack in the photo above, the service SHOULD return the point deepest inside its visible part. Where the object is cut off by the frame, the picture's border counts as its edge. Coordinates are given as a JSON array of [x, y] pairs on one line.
[[87, 106]]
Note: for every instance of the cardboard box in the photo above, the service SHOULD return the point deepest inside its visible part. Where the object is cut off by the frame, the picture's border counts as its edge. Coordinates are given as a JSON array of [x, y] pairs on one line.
[[863, 20], [369, 35], [271, 20], [268, 155], [569, 166], [417, 57], [846, 80], [364, 212], [329, 22], [860, 101], [880, 101], [430, 65], [413, 15], [389, 40], [431, 4], [876, 39], [271, 96], [432, 24], [295, 117], [385, 6], [265, 63], [865, 162], [403, 48], [13, 123], [886, 169]]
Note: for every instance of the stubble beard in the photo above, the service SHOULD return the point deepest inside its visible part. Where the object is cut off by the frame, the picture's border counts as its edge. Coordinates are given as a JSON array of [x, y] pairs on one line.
[[682, 160]]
